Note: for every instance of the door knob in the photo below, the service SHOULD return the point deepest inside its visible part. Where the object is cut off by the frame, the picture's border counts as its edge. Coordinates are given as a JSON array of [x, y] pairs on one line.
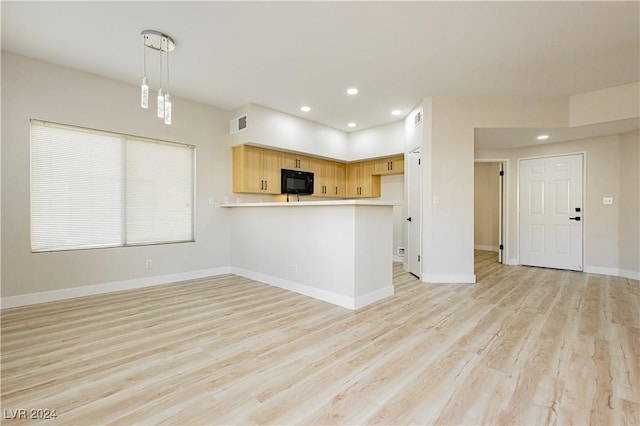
[[577, 218], [408, 219]]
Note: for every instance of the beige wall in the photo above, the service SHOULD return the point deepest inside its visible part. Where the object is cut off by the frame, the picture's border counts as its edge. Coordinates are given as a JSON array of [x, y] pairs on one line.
[[599, 106], [486, 206], [34, 89], [448, 167], [629, 203]]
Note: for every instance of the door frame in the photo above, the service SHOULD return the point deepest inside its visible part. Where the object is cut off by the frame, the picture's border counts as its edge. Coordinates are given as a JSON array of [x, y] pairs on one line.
[[504, 208], [584, 199]]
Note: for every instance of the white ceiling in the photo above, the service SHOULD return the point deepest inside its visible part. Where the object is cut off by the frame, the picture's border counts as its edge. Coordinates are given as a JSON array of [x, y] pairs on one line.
[[283, 55]]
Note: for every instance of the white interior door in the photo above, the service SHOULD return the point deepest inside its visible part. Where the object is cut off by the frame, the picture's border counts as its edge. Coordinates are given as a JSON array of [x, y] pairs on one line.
[[414, 210], [551, 211]]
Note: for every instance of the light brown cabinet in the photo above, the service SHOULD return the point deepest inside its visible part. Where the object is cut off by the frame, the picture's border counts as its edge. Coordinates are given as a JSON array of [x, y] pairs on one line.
[[389, 165], [361, 182], [296, 162], [256, 170], [329, 178]]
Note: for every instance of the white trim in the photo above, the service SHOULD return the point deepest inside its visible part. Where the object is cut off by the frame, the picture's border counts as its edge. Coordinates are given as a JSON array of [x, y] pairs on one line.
[[317, 293], [372, 297], [512, 261], [449, 279], [398, 258], [91, 290], [486, 248], [616, 272]]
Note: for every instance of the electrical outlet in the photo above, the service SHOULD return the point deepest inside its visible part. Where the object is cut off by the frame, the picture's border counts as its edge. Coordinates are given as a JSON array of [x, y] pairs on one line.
[[607, 200], [295, 268], [211, 201], [226, 200], [148, 264]]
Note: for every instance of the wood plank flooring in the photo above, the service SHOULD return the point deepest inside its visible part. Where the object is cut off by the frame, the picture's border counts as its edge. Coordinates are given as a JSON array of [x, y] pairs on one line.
[[522, 346]]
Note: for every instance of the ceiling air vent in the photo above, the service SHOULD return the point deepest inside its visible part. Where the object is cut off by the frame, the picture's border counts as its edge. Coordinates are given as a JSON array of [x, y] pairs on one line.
[[237, 125], [417, 118]]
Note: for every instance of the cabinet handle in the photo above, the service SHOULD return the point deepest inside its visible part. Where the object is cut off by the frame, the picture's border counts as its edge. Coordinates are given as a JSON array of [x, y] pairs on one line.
[[261, 185], [265, 185], [336, 190]]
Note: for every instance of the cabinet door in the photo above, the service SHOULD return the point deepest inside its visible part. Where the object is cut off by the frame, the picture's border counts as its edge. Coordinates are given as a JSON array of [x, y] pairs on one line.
[[322, 177], [247, 169], [380, 166], [271, 174], [367, 180], [353, 180], [296, 162], [397, 165], [340, 181], [388, 165]]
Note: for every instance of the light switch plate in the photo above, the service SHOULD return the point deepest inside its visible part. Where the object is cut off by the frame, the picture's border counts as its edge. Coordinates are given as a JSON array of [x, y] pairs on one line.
[[607, 200]]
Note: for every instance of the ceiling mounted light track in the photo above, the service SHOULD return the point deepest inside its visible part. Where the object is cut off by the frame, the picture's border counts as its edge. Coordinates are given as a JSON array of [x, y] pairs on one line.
[[163, 44]]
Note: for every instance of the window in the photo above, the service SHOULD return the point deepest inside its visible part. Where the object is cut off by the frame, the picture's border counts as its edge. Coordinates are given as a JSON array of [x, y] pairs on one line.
[[93, 189]]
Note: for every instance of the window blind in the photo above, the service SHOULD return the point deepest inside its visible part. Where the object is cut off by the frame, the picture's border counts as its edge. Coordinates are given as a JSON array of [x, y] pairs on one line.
[[93, 189], [159, 192]]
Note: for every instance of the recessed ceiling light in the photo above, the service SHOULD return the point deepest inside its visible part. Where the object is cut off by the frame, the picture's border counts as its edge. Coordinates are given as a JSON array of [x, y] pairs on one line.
[[352, 91], [352, 124], [396, 112], [305, 109], [543, 137]]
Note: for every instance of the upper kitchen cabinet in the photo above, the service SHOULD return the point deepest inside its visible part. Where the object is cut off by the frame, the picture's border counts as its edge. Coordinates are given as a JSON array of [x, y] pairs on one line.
[[329, 178], [296, 162], [389, 165], [256, 170], [361, 182]]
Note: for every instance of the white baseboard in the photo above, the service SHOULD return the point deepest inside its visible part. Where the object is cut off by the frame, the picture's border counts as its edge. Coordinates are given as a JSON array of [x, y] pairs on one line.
[[398, 258], [449, 279], [317, 293], [372, 297], [616, 272], [486, 248], [90, 290]]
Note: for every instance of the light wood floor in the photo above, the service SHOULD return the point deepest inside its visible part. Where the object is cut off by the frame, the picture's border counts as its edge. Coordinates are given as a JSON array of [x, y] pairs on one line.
[[522, 346]]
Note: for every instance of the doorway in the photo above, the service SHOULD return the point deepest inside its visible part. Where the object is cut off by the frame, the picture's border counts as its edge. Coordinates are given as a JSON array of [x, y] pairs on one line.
[[489, 207], [550, 203]]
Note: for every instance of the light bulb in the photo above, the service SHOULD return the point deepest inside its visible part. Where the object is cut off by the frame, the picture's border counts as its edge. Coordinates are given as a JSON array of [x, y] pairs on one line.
[[160, 103], [167, 108], [144, 93]]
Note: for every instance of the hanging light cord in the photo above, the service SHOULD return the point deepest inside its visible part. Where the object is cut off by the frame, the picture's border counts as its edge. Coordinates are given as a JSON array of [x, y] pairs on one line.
[[167, 89], [144, 56]]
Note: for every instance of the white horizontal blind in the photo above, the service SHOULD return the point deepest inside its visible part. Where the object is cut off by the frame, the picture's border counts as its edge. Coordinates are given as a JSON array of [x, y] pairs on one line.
[[159, 192], [94, 189], [76, 188]]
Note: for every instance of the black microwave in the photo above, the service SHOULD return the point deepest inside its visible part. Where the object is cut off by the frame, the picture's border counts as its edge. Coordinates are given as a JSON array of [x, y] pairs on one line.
[[297, 182]]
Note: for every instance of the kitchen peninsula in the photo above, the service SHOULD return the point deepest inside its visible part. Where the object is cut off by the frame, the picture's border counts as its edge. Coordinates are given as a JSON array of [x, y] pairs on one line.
[[338, 251]]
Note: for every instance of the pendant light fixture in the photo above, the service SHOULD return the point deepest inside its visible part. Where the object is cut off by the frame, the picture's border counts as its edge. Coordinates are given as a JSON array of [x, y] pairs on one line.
[[163, 44]]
